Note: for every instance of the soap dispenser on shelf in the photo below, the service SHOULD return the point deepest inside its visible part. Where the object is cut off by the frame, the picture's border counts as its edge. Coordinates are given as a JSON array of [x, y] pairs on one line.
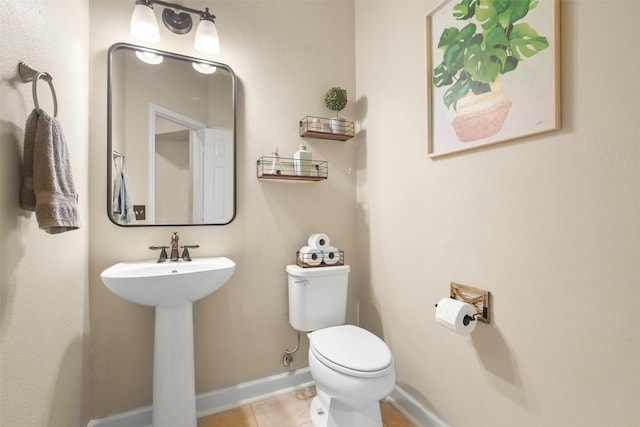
[[302, 161], [275, 163]]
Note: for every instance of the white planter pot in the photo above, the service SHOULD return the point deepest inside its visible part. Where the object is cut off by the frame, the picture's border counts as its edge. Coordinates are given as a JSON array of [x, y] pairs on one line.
[[337, 125]]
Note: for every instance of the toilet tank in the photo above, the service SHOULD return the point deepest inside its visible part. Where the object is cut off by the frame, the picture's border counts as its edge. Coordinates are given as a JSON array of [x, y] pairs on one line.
[[317, 296]]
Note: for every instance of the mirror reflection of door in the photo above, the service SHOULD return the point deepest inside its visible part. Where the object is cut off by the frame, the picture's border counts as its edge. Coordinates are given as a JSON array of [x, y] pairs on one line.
[[217, 176], [173, 173], [188, 155]]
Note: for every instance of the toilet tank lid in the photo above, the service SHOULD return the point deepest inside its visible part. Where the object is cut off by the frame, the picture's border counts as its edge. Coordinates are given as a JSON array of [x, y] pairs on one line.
[[351, 347], [296, 270]]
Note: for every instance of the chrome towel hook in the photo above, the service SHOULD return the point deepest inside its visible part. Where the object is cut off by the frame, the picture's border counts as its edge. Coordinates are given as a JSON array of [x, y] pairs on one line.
[[28, 74]]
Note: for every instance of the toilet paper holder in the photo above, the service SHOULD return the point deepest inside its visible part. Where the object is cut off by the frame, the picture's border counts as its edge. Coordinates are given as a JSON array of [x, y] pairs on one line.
[[468, 319], [479, 298]]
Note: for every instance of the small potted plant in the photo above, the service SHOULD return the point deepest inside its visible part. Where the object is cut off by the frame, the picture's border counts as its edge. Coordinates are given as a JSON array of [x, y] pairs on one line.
[[491, 43], [336, 99]]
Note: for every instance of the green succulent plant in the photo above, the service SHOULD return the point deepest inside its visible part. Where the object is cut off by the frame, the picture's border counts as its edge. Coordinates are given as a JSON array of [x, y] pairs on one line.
[[494, 44], [336, 99]]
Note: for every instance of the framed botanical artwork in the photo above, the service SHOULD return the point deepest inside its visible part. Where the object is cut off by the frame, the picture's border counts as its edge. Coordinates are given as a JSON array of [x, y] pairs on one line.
[[492, 72]]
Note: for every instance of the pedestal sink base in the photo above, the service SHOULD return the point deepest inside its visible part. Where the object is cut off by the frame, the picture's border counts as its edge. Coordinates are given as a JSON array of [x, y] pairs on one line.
[[171, 287], [174, 392]]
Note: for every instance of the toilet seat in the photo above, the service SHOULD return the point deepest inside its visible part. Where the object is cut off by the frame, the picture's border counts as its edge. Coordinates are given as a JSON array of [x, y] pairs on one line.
[[352, 351]]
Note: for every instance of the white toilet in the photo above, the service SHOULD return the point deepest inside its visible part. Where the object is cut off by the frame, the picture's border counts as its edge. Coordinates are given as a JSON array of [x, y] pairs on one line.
[[352, 368]]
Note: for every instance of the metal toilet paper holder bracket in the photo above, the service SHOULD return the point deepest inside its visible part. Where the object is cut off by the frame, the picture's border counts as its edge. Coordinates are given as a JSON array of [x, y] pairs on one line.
[[479, 298], [468, 319]]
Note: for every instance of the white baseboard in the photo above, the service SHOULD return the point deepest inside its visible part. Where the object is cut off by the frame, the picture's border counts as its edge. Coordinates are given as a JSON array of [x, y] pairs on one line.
[[252, 391], [413, 410], [218, 400]]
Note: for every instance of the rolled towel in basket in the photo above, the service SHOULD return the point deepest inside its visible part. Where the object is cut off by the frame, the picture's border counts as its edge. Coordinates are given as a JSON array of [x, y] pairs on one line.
[[331, 255], [311, 256], [319, 241]]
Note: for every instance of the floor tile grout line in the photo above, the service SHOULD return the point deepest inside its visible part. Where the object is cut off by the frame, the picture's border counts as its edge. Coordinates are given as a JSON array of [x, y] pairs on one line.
[[307, 395], [253, 415]]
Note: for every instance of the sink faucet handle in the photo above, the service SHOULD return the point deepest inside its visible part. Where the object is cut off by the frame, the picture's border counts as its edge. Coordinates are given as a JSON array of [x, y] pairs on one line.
[[163, 252], [185, 251]]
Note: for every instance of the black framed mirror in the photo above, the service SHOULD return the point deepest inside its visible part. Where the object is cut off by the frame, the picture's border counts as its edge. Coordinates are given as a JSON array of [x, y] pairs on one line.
[[171, 139]]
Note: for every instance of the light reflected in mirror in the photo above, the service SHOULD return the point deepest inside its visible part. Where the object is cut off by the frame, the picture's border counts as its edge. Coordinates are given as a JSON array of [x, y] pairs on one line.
[[171, 139]]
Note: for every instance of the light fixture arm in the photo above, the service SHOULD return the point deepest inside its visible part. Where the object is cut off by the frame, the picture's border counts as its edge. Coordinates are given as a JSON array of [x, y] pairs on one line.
[[206, 15], [202, 14]]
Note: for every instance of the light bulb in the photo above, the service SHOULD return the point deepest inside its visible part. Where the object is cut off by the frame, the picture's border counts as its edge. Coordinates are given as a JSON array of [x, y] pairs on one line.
[[203, 68], [149, 57]]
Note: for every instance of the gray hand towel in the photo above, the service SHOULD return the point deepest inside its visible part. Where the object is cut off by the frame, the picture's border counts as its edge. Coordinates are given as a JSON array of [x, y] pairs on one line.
[[56, 200], [27, 195], [122, 200], [117, 193]]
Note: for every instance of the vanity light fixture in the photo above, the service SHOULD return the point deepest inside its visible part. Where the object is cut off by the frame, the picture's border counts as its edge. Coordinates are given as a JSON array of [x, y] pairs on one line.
[[177, 19]]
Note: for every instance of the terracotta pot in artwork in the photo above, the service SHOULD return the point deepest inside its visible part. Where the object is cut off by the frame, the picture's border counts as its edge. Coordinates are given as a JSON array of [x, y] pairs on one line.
[[481, 116]]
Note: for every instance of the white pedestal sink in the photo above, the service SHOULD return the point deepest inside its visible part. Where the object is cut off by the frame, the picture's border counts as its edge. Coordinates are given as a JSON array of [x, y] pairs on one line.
[[171, 287]]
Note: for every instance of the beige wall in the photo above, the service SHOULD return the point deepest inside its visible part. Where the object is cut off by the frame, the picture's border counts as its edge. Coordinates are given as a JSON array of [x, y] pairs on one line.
[[43, 278], [550, 225], [286, 55]]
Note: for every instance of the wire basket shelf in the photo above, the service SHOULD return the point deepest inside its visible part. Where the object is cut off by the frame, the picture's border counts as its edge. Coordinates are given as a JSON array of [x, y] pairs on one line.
[[270, 167], [320, 127], [325, 259]]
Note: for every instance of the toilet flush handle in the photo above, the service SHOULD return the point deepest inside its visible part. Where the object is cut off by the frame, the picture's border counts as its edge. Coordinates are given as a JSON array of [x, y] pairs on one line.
[[301, 282]]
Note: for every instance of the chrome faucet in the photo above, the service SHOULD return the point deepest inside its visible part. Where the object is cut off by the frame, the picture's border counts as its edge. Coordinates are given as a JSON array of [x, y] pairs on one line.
[[174, 250]]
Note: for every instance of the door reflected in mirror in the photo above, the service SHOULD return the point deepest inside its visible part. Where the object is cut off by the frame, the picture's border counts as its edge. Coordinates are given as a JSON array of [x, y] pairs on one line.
[[171, 141]]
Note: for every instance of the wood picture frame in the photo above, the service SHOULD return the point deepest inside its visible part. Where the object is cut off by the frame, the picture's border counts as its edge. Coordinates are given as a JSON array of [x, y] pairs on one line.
[[492, 72]]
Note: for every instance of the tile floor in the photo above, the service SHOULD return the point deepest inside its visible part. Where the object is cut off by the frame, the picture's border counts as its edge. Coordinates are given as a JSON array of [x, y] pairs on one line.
[[287, 410]]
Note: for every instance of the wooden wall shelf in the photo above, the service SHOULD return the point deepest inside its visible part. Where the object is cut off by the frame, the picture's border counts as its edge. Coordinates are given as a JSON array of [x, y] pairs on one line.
[[321, 128], [285, 169]]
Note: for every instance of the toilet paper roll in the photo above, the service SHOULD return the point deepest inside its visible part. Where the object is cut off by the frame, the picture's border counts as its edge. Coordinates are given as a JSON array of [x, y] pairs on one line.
[[331, 255], [319, 241], [310, 256], [450, 314]]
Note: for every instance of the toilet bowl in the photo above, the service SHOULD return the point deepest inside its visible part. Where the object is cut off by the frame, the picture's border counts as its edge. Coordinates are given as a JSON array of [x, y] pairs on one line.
[[352, 368]]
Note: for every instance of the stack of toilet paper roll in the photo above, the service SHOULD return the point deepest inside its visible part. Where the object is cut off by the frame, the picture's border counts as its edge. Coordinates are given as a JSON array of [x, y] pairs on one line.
[[319, 251]]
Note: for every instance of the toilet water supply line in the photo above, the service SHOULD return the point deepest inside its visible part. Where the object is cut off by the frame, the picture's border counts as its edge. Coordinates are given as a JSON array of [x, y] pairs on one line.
[[287, 359]]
